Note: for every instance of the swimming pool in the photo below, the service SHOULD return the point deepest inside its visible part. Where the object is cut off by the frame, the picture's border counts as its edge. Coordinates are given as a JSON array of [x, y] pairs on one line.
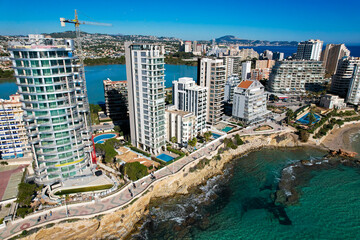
[[305, 119], [215, 136], [165, 157], [103, 137], [226, 129]]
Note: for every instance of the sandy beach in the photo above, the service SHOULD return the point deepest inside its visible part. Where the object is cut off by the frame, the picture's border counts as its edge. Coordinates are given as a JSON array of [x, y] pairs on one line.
[[340, 138]]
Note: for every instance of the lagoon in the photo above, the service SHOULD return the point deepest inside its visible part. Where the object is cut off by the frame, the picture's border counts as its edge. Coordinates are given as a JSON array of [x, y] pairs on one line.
[[96, 74]]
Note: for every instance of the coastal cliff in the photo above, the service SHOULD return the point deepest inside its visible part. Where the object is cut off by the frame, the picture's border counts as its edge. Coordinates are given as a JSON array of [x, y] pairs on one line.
[[119, 224]]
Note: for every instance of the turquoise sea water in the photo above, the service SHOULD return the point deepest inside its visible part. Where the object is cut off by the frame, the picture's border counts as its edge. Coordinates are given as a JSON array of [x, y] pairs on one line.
[[96, 74], [239, 204]]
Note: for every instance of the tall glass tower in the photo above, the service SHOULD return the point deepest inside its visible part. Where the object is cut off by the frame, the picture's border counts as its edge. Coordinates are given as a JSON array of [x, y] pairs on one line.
[[52, 86]]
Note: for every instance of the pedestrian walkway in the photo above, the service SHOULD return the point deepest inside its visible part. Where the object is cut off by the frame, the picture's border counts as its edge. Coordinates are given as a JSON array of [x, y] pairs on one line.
[[115, 201]]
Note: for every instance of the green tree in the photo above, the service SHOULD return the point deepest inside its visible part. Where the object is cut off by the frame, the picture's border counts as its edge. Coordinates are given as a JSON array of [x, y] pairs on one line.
[[173, 139], [135, 170], [207, 136], [312, 118], [303, 135], [193, 142], [94, 108], [239, 141], [26, 193]]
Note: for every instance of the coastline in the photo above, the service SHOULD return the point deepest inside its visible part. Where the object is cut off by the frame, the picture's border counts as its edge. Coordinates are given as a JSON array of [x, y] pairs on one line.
[[340, 138], [121, 223]]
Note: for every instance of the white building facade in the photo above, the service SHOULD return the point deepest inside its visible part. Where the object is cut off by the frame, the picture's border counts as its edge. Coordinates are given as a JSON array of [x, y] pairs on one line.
[[13, 139], [189, 97], [249, 103], [230, 85], [211, 74], [309, 50], [181, 125], [246, 70], [296, 76], [146, 95], [346, 82]]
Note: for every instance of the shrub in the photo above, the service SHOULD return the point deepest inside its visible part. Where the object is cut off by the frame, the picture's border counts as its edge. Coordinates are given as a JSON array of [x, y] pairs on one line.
[[23, 211], [239, 141], [304, 135], [135, 170], [8, 205]]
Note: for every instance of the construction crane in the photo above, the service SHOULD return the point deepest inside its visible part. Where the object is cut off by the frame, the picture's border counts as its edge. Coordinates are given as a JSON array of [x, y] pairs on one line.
[[77, 24]]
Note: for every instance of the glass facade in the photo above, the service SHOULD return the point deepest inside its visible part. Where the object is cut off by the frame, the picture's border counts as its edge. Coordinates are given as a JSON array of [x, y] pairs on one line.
[[52, 85]]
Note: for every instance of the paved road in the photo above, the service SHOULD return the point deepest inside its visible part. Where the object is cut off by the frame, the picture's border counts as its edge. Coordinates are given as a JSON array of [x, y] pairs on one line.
[[100, 206]]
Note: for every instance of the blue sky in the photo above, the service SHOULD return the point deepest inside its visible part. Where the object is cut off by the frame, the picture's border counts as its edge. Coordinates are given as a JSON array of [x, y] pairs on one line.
[[331, 21]]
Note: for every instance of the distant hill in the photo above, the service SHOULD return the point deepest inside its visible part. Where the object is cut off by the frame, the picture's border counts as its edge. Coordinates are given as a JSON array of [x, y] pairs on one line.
[[233, 39]]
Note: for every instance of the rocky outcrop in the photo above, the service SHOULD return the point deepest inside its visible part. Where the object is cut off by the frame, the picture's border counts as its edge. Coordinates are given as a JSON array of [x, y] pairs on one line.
[[343, 153], [299, 173], [121, 223]]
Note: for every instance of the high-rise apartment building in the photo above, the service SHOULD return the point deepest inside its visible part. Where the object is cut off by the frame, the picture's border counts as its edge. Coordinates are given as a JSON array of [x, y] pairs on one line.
[[116, 99], [266, 55], [331, 56], [249, 103], [346, 82], [246, 70], [309, 50], [51, 82], [13, 139], [296, 76], [233, 65], [230, 85], [278, 56], [211, 74], [187, 46], [189, 97], [146, 94]]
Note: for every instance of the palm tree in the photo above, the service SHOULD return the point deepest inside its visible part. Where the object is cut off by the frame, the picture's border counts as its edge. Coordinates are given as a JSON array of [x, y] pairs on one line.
[[207, 136]]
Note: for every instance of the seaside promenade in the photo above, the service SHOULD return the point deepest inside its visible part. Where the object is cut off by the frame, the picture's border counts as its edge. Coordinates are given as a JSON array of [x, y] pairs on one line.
[[125, 196], [104, 205]]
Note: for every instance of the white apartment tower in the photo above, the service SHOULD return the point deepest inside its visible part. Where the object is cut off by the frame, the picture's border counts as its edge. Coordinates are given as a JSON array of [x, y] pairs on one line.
[[211, 74], [246, 70], [146, 95], [346, 81], [249, 103], [189, 97], [309, 50], [230, 85], [51, 82]]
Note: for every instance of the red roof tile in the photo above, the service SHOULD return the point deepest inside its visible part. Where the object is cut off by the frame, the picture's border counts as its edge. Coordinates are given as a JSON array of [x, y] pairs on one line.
[[245, 84]]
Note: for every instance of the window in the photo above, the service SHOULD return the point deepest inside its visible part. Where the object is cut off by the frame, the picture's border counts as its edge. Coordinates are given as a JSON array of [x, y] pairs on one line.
[[33, 54]]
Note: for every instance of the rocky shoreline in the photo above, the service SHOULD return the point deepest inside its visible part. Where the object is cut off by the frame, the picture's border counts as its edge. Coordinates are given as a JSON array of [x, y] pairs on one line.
[[299, 173], [120, 224]]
